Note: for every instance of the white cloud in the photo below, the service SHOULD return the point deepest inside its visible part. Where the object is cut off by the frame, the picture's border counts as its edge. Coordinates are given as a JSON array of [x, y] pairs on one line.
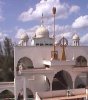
[[20, 32], [84, 39], [45, 7], [2, 36], [74, 9], [81, 22], [61, 29]]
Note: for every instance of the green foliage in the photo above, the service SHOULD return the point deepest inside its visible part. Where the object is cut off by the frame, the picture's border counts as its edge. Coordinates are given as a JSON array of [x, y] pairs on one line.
[[6, 61]]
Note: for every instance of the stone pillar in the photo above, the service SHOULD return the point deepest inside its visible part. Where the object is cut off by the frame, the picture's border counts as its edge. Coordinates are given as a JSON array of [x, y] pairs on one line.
[[50, 80], [50, 86], [24, 88], [73, 84], [15, 92], [73, 80], [87, 79]]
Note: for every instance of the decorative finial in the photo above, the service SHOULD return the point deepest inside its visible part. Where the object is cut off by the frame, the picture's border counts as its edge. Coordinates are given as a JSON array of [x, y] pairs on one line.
[[42, 22], [63, 43], [54, 10]]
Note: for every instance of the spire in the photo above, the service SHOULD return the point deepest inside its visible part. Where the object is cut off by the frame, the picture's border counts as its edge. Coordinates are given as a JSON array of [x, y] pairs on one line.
[[54, 53], [42, 20]]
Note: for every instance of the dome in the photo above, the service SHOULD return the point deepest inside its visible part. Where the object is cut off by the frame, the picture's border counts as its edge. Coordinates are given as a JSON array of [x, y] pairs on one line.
[[75, 37], [42, 32], [24, 37]]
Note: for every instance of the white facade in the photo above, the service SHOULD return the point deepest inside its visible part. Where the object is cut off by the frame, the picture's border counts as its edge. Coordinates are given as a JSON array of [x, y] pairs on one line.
[[39, 72]]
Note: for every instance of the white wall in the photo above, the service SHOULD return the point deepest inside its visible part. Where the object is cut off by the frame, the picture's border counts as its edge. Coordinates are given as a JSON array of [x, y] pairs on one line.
[[38, 53]]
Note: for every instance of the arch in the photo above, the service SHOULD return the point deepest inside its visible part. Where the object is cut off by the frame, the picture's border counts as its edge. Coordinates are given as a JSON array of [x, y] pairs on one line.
[[81, 80], [6, 94], [81, 61], [28, 92], [62, 80], [25, 62]]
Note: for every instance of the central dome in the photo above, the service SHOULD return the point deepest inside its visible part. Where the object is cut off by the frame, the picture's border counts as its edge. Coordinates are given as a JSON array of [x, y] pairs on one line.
[[42, 32]]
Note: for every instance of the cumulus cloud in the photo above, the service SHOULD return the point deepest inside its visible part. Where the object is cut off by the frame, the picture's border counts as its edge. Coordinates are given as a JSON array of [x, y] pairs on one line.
[[81, 22], [84, 39], [2, 36], [74, 9], [63, 10], [61, 29], [20, 32]]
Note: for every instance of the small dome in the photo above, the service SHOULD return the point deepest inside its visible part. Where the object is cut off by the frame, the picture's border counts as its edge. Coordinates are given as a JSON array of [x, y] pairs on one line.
[[42, 32], [24, 37], [75, 37]]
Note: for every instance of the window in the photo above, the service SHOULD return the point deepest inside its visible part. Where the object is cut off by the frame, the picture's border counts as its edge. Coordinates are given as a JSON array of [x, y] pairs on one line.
[[81, 61], [37, 44]]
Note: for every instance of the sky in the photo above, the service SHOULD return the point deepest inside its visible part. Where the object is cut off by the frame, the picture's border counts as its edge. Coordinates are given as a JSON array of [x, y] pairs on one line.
[[19, 17]]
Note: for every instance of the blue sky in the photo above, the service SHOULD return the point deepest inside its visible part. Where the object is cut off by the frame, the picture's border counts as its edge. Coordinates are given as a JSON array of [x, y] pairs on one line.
[[24, 16]]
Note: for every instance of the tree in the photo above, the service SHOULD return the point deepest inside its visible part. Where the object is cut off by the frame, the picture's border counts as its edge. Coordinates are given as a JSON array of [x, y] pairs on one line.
[[7, 60]]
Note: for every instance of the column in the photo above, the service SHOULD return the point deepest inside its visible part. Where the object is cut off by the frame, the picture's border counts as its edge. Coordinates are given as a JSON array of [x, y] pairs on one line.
[[24, 88], [50, 86], [50, 80], [15, 92], [73, 84], [87, 79]]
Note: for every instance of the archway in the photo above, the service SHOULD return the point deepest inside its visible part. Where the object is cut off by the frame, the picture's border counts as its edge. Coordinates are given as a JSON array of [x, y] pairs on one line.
[[28, 93], [6, 94], [62, 80], [26, 63], [81, 61], [81, 80]]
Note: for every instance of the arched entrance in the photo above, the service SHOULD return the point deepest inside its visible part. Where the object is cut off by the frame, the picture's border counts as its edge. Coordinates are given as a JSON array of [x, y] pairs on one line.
[[25, 62], [81, 80], [6, 94], [81, 61], [28, 92], [62, 80]]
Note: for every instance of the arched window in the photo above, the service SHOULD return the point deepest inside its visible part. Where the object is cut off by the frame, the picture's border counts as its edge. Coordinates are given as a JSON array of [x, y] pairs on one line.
[[81, 61], [25, 63], [6, 94]]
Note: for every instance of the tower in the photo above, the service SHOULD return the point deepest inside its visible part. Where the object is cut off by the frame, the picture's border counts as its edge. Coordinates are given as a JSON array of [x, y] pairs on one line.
[[76, 40]]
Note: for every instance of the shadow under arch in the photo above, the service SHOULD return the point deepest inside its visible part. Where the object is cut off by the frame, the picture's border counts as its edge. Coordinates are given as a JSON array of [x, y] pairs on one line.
[[62, 80], [6, 94], [28, 92], [81, 80], [25, 62], [81, 61]]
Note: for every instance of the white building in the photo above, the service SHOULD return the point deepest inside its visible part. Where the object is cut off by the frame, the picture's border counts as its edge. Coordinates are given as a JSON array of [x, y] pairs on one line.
[[43, 67]]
